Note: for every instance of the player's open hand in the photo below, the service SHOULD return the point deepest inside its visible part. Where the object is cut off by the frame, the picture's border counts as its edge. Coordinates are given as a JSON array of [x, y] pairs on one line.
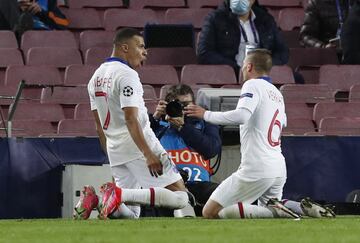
[[160, 109], [154, 165], [194, 111]]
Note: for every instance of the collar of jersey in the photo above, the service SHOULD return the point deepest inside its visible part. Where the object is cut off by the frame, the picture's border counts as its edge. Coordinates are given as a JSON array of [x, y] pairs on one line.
[[116, 59], [266, 78]]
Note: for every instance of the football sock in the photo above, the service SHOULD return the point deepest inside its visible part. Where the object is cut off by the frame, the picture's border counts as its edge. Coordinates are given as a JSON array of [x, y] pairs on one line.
[[158, 197], [294, 206], [242, 210], [126, 212]]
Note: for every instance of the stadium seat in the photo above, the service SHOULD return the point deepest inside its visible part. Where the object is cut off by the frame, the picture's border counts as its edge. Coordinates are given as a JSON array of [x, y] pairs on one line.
[[33, 75], [275, 13], [28, 95], [53, 56], [354, 95], [204, 3], [344, 125], [40, 38], [312, 57], [310, 74], [83, 19], [76, 127], [97, 55], [216, 75], [8, 39], [299, 126], [158, 74], [29, 128], [291, 18], [298, 111], [65, 95], [307, 93], [291, 38], [37, 111], [78, 74], [195, 88], [138, 4], [280, 3], [282, 75], [96, 38], [335, 109], [83, 112], [187, 16], [232, 86], [149, 92], [9, 56], [340, 77], [117, 18], [175, 56], [103, 4]]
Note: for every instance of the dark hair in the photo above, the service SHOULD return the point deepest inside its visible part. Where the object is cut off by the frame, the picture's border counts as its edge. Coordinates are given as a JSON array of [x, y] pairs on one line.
[[261, 59], [179, 89], [125, 34]]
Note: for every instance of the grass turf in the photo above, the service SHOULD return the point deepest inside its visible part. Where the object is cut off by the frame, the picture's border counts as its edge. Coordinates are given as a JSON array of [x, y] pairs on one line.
[[341, 229]]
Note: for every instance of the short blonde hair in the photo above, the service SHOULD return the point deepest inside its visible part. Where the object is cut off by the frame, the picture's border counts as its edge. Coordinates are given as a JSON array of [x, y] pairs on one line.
[[261, 60]]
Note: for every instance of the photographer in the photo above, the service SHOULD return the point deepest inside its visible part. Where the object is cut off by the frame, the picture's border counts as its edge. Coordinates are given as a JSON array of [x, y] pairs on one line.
[[190, 142]]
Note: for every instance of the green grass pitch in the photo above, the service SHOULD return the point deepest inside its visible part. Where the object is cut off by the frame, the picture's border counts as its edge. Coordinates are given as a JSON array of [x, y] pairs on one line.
[[170, 230]]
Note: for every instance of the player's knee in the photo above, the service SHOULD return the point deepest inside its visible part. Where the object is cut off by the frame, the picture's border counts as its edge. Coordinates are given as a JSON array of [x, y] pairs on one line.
[[208, 213]]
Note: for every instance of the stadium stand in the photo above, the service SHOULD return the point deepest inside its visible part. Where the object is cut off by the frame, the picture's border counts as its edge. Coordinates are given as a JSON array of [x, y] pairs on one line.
[[298, 111], [280, 3], [307, 93], [72, 127], [97, 55], [299, 126], [103, 4], [78, 75], [29, 128], [150, 98], [187, 16], [83, 112], [9, 56], [117, 18], [291, 18], [340, 77], [64, 95], [83, 19], [300, 57], [175, 56], [232, 86], [343, 125], [40, 38], [291, 38], [335, 109], [164, 89], [282, 75], [40, 112], [96, 38], [53, 56], [8, 39], [354, 95], [216, 75], [204, 3]]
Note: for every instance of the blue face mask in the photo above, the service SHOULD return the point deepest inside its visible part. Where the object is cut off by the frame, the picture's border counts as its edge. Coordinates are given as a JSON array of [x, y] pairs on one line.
[[239, 7]]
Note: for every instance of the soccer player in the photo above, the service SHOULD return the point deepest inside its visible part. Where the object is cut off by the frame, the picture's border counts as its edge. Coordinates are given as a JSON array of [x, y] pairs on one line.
[[136, 156], [262, 172]]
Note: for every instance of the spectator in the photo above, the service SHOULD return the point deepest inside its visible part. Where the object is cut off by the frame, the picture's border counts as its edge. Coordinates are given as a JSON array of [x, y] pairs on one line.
[[350, 36], [190, 142], [22, 15], [234, 25], [323, 22]]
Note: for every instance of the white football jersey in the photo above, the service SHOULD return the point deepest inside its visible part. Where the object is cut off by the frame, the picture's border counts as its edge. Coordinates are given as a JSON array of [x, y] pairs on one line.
[[114, 86], [260, 136]]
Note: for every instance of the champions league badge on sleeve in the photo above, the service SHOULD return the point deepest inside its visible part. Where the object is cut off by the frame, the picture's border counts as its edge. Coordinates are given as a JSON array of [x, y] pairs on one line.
[[128, 91]]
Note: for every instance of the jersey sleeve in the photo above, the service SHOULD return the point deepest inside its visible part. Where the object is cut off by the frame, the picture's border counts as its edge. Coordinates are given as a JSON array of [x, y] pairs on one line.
[[130, 90], [249, 97], [91, 95]]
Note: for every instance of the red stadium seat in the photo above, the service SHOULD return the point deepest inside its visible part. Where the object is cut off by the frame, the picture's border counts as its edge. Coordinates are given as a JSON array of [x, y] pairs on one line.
[[340, 77], [52, 56], [29, 128], [344, 125], [8, 39], [37, 111], [97, 55], [217, 75], [298, 111], [78, 74], [9, 56], [354, 95], [291, 18], [40, 38], [335, 109], [307, 93], [282, 75], [195, 88], [299, 126], [149, 92], [204, 3], [28, 95], [158, 75], [95, 4], [138, 4], [312, 57], [76, 127], [83, 19], [232, 86], [175, 56], [187, 16], [83, 112], [291, 38], [117, 18], [280, 3], [65, 95], [96, 38]]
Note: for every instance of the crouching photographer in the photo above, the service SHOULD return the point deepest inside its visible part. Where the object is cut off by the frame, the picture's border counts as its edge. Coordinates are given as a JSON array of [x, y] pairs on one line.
[[190, 142]]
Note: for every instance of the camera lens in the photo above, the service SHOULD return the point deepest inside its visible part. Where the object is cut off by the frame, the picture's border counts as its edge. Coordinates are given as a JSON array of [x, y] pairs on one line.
[[174, 109]]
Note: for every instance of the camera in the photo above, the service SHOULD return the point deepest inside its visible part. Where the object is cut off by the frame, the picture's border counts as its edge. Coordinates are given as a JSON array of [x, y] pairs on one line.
[[174, 108]]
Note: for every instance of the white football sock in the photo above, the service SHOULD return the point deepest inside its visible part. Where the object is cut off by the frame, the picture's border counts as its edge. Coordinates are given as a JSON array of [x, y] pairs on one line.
[[126, 212], [294, 206], [158, 197], [241, 210]]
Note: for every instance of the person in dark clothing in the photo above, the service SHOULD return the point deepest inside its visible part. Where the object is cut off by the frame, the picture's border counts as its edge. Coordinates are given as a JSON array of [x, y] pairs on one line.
[[22, 15], [189, 142], [350, 36], [235, 26], [323, 22]]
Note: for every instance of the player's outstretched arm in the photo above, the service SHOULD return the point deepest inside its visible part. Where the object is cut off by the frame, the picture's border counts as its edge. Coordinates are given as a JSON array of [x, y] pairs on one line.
[[135, 130]]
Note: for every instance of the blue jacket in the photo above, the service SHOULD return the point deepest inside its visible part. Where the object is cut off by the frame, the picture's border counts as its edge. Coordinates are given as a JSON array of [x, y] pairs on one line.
[[220, 37], [191, 147]]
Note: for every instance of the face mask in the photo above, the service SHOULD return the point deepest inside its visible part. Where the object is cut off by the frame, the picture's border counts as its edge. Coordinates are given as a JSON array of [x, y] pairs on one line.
[[239, 7]]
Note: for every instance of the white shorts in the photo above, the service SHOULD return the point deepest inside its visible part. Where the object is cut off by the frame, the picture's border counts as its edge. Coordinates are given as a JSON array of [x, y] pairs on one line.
[[135, 174], [234, 189]]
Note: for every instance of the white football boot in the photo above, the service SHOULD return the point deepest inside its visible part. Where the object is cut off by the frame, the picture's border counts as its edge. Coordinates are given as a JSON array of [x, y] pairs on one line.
[[315, 210]]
